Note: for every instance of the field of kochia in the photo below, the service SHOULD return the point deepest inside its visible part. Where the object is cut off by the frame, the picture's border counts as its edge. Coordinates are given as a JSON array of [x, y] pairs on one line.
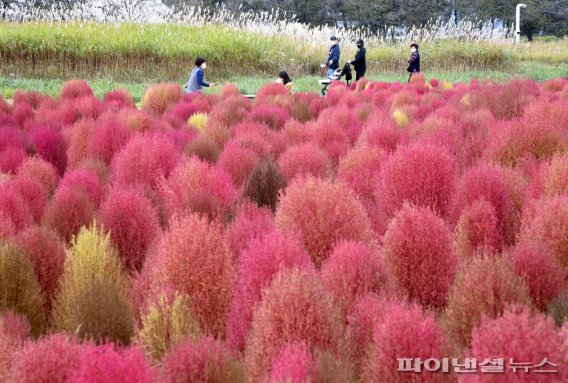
[[165, 52], [293, 238]]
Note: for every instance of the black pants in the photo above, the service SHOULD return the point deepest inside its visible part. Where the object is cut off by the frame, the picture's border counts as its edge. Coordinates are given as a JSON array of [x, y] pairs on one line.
[[359, 75]]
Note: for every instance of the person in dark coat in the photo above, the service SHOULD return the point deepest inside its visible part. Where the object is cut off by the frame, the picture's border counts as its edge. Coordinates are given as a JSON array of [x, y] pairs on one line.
[[332, 62], [413, 61], [360, 62]]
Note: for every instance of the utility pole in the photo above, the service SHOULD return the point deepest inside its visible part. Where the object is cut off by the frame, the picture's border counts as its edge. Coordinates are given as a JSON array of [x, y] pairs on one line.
[[518, 22]]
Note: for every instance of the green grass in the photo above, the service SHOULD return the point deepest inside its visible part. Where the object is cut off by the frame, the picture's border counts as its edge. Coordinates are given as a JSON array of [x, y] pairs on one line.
[[250, 85]]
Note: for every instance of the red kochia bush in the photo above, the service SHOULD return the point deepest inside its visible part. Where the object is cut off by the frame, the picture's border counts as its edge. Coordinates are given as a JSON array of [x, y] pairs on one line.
[[144, 160], [238, 161], [419, 256], [119, 98], [74, 89], [51, 359], [556, 176], [303, 160], [13, 206], [85, 180], [68, 211], [543, 274], [294, 363], [11, 158], [50, 145], [294, 308], [133, 224], [110, 135], [192, 259], [360, 168], [106, 363], [33, 194], [47, 252], [14, 329], [404, 332], [332, 138], [420, 174], [500, 187], [352, 270], [161, 97], [258, 264], [273, 116], [250, 221], [40, 170], [524, 337], [478, 229], [203, 360], [79, 137], [323, 213], [195, 186]]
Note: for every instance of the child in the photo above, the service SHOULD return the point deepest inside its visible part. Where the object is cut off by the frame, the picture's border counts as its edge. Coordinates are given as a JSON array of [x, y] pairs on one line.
[[332, 62], [413, 61], [360, 62], [195, 81], [285, 80]]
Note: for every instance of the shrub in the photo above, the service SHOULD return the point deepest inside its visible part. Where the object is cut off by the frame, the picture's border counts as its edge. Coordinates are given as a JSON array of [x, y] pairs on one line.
[[204, 148], [352, 270], [93, 300], [7, 227], [500, 187], [556, 176], [68, 211], [294, 308], [80, 136], [20, 291], [264, 184], [50, 145], [297, 133], [558, 309], [119, 98], [13, 206], [111, 134], [542, 273], [273, 116], [203, 360], [268, 91], [259, 263], [304, 160], [86, 181], [332, 138], [482, 287], [198, 120], [159, 98], [166, 324], [14, 328], [238, 161], [420, 174], [405, 330], [294, 363], [419, 256], [360, 168], [33, 194], [250, 222], [40, 170], [51, 359], [523, 337], [133, 224], [46, 251], [323, 213], [106, 363], [478, 230], [11, 158], [192, 259], [195, 186], [74, 89], [139, 120], [547, 225]]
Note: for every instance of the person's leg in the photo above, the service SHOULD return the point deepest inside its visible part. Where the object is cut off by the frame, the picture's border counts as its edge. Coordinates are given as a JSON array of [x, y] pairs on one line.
[[410, 76], [330, 72]]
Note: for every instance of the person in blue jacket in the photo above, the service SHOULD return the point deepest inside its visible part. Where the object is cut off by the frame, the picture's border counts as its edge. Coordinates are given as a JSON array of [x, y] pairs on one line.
[[196, 80], [332, 62]]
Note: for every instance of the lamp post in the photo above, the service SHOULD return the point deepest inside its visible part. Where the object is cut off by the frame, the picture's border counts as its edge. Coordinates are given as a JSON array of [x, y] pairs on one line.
[[518, 22]]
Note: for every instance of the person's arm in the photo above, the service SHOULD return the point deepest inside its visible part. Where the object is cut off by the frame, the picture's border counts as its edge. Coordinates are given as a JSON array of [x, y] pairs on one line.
[[359, 57], [335, 57], [200, 79], [413, 57]]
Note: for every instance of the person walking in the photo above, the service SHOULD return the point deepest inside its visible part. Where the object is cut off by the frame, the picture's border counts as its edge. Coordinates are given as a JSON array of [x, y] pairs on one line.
[[360, 62], [413, 61], [196, 79], [332, 62]]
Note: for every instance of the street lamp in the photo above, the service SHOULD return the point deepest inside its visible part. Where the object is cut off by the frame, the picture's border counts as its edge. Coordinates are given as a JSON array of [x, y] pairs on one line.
[[518, 22]]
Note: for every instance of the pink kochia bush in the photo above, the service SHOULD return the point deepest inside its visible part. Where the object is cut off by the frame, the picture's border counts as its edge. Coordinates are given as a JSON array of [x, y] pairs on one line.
[[405, 331], [294, 308], [192, 259], [419, 256], [259, 263], [302, 160], [323, 213], [478, 229], [294, 363], [195, 186], [133, 224], [520, 336]]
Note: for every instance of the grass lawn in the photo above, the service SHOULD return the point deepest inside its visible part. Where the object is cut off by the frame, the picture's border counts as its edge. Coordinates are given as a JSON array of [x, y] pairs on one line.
[[249, 85]]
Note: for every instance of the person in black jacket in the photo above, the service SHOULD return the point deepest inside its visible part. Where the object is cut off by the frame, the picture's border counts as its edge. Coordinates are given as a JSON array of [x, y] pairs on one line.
[[360, 62], [413, 61], [332, 62]]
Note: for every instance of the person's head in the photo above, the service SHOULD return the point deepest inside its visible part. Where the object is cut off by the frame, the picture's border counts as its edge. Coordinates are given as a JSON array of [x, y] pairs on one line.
[[201, 62], [333, 40], [413, 47], [284, 78], [360, 43]]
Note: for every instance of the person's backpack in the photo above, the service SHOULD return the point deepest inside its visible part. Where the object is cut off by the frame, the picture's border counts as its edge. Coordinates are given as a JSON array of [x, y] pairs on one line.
[[347, 73]]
